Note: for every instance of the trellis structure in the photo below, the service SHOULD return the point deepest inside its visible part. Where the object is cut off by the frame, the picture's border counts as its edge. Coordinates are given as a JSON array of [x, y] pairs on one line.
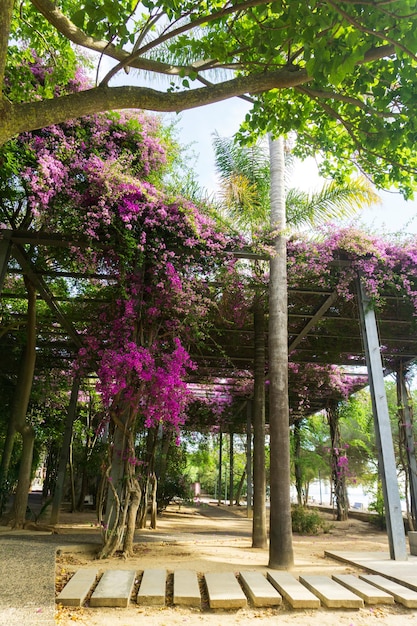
[[323, 328]]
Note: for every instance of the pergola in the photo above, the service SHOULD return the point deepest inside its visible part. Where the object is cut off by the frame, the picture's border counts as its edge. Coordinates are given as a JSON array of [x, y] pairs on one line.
[[322, 328]]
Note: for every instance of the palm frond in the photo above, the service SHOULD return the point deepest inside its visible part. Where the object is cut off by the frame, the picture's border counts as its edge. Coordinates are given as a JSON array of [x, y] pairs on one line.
[[332, 202]]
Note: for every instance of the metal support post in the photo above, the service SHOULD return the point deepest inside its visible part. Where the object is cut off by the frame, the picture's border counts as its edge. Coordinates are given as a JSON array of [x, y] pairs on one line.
[[385, 446]]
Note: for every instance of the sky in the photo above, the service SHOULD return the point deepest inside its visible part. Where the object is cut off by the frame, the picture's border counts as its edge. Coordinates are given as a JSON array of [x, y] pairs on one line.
[[196, 128]]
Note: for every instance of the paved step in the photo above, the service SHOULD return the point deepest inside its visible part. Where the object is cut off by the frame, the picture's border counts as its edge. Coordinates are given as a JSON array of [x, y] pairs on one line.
[[224, 591], [369, 593], [186, 588], [331, 593], [259, 591], [401, 594], [77, 589], [114, 588], [297, 596], [152, 587]]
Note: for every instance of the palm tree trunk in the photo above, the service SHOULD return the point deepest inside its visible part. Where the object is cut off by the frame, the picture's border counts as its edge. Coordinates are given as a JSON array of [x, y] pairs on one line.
[[280, 546]]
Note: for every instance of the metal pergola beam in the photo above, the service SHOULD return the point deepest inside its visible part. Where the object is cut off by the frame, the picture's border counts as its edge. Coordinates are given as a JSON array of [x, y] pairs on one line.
[[385, 446], [313, 321]]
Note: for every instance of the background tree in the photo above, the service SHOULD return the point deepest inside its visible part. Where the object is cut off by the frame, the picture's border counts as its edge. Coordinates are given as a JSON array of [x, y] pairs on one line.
[[341, 76], [309, 442]]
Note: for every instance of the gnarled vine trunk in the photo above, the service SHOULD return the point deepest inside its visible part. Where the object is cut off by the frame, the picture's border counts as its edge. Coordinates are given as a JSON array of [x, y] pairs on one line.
[[121, 494]]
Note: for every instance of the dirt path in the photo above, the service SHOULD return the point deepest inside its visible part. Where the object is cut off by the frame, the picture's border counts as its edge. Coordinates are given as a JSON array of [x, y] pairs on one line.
[[217, 539]]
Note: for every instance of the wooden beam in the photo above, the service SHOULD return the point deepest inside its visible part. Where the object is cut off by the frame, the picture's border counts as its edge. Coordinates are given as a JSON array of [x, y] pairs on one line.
[[27, 267]]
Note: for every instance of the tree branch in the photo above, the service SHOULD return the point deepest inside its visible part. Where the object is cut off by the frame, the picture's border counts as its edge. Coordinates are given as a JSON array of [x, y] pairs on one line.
[[181, 30], [30, 116], [6, 12], [380, 35], [68, 29], [339, 97], [361, 145]]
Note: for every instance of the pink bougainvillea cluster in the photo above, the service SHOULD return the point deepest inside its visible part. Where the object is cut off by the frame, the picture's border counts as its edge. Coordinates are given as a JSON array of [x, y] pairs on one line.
[[99, 180], [310, 381], [334, 261]]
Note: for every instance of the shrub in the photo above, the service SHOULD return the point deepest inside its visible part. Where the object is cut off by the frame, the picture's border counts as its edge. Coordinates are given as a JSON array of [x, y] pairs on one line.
[[307, 522]]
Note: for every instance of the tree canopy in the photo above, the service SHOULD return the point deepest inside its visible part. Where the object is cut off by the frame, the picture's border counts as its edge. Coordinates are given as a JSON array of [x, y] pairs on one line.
[[339, 74]]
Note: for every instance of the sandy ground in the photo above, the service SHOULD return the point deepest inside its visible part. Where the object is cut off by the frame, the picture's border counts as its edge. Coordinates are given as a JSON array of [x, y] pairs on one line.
[[209, 538]]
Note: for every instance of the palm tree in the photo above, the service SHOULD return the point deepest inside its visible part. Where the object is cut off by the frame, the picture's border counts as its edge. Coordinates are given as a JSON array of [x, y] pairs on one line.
[[245, 191], [253, 190]]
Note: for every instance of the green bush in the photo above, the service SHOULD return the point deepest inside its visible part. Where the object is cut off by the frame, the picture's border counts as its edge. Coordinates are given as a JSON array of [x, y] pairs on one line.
[[307, 522], [378, 509]]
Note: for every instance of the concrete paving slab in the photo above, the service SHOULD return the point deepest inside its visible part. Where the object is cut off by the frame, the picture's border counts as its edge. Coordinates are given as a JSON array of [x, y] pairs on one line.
[[402, 572], [297, 596], [152, 587], [369, 593], [224, 591], [114, 588], [331, 593], [78, 587], [186, 588], [401, 594], [259, 591]]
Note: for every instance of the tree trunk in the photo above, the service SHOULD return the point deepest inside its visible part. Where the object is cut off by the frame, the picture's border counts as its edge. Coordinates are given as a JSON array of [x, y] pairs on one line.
[[22, 395], [338, 469], [64, 455], [240, 488], [113, 527], [151, 445], [154, 487], [135, 498], [297, 462], [5, 464], [280, 546], [259, 533], [231, 468], [407, 447], [71, 474], [219, 481], [49, 483], [21, 497]]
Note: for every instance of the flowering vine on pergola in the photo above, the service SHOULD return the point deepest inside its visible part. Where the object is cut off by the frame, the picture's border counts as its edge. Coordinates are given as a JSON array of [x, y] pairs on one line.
[[323, 316], [157, 297]]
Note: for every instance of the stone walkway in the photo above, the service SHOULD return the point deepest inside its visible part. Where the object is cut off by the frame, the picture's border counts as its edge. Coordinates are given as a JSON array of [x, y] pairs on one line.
[[27, 582], [226, 590]]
